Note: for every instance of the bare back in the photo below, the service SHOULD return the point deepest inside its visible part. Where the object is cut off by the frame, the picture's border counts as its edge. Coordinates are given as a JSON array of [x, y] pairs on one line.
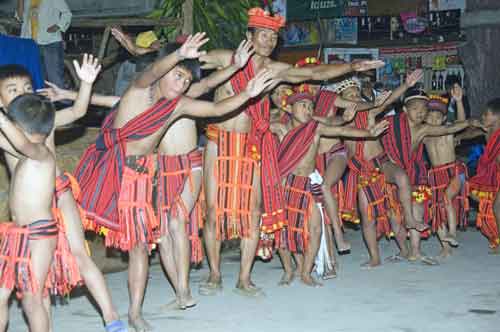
[[440, 149], [32, 190]]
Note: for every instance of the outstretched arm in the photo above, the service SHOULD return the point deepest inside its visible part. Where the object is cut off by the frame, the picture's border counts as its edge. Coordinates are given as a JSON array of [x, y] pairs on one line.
[[189, 50], [199, 108], [55, 93], [445, 130], [324, 72], [126, 41], [372, 132], [216, 59], [19, 142], [241, 57], [87, 73]]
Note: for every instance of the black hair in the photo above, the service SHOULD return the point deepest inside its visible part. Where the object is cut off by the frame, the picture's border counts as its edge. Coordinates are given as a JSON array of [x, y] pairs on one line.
[[450, 81], [494, 106], [191, 65], [34, 113], [13, 71], [144, 60]]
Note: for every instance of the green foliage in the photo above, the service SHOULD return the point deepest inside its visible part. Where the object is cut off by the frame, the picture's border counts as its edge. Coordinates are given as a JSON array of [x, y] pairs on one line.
[[224, 21]]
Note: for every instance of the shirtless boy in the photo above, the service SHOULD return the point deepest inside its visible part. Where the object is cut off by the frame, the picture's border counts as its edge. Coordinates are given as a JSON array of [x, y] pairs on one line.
[[297, 158], [15, 81], [121, 162], [447, 176], [485, 185], [28, 243], [243, 148]]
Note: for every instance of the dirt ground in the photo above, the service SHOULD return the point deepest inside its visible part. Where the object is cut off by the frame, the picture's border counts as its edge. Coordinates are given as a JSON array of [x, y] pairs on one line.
[[461, 294]]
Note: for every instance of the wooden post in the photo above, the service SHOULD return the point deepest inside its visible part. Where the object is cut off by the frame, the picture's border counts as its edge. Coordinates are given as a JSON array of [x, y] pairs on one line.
[[104, 42], [187, 13]]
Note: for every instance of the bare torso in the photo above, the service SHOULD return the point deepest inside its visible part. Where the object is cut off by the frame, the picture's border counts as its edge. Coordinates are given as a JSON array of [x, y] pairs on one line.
[[441, 149], [132, 104], [31, 190], [308, 163], [180, 138]]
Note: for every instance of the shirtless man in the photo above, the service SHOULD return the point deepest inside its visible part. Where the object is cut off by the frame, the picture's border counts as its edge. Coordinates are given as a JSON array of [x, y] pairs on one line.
[[303, 233], [121, 161], [246, 145], [447, 176], [29, 242]]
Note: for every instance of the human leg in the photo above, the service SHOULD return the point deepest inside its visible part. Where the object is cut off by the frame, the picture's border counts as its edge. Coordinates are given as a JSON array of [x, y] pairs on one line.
[[369, 228], [312, 248]]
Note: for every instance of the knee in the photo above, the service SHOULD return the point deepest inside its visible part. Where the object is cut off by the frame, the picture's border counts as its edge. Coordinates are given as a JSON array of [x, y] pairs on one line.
[[177, 226], [139, 252]]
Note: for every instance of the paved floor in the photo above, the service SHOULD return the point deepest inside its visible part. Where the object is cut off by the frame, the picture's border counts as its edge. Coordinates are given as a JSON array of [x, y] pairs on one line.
[[463, 294]]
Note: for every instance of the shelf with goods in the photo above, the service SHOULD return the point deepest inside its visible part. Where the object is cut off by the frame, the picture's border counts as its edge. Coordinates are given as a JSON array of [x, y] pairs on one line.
[[440, 63]]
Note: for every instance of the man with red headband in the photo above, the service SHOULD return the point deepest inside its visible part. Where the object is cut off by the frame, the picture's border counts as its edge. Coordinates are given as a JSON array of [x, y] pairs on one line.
[[242, 154]]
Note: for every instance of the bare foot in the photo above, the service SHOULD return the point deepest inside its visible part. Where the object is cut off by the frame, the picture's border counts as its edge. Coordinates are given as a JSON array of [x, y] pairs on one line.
[[248, 290], [187, 301], [445, 253], [308, 280], [287, 279], [371, 264], [344, 247], [418, 226], [329, 274], [171, 306], [139, 324], [452, 240], [426, 260], [211, 287], [400, 257]]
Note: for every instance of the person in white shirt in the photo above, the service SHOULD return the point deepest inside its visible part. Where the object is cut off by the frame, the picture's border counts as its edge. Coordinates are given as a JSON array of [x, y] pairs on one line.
[[44, 21]]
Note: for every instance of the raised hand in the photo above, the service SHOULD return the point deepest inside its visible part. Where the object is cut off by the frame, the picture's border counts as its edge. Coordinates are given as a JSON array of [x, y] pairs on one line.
[[189, 50], [261, 81], [457, 92], [414, 77], [378, 128], [89, 69], [382, 98], [53, 92], [243, 53], [124, 39], [367, 65], [350, 112]]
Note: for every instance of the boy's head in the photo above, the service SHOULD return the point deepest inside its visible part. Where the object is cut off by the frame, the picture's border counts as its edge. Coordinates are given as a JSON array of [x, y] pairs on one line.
[[263, 29], [490, 118], [15, 80], [177, 81], [300, 103], [34, 114], [279, 93], [349, 89], [415, 105], [438, 109]]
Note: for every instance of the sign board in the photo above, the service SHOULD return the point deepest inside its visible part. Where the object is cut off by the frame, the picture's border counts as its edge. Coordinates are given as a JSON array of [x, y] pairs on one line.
[[299, 10]]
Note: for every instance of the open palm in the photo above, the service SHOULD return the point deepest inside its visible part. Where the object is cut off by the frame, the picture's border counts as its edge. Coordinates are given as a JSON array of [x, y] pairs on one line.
[[243, 53], [89, 68], [190, 48]]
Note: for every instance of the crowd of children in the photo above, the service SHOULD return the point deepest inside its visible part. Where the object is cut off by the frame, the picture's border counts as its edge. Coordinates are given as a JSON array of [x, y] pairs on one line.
[[280, 177]]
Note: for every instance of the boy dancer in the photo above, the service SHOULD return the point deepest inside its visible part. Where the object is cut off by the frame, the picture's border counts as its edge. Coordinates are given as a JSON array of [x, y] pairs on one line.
[[241, 152], [28, 244], [403, 143], [447, 177], [14, 81], [485, 185], [297, 160], [116, 173]]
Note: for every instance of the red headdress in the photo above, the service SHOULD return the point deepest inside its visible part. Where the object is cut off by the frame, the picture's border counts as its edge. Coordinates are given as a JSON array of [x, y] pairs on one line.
[[259, 18], [301, 92], [438, 103]]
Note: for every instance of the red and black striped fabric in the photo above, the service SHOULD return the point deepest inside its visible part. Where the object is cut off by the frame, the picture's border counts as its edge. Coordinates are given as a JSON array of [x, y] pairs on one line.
[[100, 169], [398, 145], [325, 103], [294, 146], [261, 139]]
